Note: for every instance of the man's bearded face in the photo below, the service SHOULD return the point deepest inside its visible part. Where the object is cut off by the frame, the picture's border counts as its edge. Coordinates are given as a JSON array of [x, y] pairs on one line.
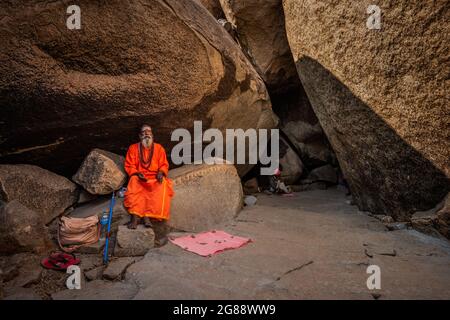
[[146, 136]]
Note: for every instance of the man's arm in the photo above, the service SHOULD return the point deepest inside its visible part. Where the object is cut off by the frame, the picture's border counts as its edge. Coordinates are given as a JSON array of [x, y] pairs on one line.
[[131, 162], [163, 165]]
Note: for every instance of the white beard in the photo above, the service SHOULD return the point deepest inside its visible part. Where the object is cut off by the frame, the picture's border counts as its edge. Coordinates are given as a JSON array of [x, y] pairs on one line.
[[147, 142]]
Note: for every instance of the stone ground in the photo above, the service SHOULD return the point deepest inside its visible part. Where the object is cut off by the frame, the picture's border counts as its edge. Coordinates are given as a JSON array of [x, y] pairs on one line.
[[313, 245]]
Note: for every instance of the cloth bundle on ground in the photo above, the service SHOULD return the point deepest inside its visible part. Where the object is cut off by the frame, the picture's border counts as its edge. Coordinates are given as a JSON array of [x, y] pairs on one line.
[[74, 233], [209, 243]]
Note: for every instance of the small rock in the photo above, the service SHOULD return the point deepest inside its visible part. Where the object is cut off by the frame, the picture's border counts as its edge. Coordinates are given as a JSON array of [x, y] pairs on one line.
[[226, 24], [134, 242], [383, 218], [396, 226], [376, 296], [425, 221], [7, 273], [102, 172], [94, 274], [250, 200], [116, 268]]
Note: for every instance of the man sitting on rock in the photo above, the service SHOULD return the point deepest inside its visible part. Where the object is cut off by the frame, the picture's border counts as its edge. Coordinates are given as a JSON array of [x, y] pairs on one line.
[[149, 190]]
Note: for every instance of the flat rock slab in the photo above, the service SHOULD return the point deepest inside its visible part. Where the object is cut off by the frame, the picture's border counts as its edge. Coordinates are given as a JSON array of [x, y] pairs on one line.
[[205, 196], [22, 294], [99, 290], [134, 242], [287, 234]]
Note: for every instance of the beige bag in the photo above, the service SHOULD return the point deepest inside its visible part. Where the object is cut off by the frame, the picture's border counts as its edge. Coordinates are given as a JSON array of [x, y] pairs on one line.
[[77, 232]]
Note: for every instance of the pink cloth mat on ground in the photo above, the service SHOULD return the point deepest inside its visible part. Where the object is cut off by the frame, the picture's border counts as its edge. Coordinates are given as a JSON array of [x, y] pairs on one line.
[[209, 243]]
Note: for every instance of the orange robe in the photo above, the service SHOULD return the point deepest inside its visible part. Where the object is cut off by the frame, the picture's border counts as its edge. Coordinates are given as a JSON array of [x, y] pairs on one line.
[[148, 199]]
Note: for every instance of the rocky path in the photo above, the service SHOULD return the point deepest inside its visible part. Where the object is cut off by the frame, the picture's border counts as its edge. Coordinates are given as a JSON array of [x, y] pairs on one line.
[[310, 246]]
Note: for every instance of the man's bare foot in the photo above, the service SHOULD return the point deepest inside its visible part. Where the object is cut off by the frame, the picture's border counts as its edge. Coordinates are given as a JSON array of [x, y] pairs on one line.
[[134, 221], [147, 222]]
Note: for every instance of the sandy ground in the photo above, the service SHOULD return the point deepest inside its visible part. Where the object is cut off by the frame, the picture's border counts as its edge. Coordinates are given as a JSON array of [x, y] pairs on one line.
[[313, 245]]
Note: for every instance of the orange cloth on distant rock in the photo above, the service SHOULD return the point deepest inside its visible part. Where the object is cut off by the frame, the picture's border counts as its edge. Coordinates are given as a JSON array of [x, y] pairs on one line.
[[148, 199]]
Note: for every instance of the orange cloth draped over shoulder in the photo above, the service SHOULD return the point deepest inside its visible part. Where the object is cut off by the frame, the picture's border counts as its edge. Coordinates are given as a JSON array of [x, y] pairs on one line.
[[148, 199]]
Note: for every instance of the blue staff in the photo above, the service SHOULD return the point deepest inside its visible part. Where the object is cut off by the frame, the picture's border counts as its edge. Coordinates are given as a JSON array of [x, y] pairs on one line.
[[105, 252]]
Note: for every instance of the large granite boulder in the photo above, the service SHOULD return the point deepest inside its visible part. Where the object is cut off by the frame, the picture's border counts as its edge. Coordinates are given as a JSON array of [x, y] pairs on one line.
[[380, 96], [102, 172], [38, 189], [205, 196], [262, 34], [166, 62], [21, 229]]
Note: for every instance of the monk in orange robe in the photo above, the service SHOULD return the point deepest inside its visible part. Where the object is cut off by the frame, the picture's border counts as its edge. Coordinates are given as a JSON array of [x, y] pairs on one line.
[[149, 189]]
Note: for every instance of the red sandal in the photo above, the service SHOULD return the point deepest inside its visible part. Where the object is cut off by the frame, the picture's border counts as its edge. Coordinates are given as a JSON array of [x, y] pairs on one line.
[[60, 261]]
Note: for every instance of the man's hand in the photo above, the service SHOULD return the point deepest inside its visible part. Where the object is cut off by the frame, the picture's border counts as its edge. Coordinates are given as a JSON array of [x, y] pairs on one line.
[[141, 176], [160, 176]]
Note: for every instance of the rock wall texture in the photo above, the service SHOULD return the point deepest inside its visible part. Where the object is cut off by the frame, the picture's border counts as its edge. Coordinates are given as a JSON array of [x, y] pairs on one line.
[[380, 95], [64, 92], [214, 8], [261, 30], [262, 35]]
